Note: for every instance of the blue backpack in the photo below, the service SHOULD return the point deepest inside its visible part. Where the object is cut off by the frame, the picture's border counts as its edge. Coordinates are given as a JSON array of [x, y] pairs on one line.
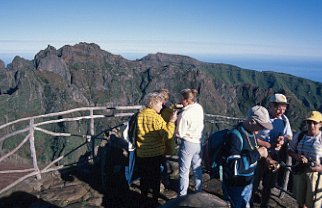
[[214, 151]]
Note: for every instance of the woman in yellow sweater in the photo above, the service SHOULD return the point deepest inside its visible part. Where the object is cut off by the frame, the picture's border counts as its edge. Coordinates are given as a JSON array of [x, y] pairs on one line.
[[151, 135]]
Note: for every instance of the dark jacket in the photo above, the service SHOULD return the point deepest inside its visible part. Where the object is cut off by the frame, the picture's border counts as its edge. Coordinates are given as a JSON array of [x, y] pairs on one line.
[[240, 158]]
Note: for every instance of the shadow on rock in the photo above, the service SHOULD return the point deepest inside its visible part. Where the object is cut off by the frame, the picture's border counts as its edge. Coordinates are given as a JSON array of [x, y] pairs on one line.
[[107, 174], [21, 199]]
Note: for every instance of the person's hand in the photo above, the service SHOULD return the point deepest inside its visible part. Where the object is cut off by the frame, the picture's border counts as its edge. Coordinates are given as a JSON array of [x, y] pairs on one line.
[[272, 164], [173, 116], [279, 143], [317, 168], [263, 143], [263, 152], [302, 159]]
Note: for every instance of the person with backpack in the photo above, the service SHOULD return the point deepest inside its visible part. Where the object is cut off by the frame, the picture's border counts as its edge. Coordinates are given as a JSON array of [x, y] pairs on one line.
[[306, 150], [189, 130], [241, 153], [152, 131], [274, 139]]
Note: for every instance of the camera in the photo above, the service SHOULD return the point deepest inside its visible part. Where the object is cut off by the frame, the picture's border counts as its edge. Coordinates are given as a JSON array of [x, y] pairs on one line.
[[313, 163], [178, 106]]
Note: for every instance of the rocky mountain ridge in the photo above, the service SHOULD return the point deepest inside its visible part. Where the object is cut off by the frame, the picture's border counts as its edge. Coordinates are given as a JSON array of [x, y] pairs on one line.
[[84, 74]]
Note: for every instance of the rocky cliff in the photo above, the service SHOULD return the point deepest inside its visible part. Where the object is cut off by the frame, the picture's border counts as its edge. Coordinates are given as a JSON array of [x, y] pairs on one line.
[[86, 75]]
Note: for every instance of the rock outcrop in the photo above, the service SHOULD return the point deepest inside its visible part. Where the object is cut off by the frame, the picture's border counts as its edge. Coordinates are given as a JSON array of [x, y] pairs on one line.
[[86, 75], [2, 65], [50, 60]]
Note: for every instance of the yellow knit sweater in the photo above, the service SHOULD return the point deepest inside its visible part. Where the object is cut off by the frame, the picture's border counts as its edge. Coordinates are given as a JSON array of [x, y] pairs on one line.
[[152, 133]]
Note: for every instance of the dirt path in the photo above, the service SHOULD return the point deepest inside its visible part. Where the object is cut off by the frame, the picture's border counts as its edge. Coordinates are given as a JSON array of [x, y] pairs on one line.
[[8, 178]]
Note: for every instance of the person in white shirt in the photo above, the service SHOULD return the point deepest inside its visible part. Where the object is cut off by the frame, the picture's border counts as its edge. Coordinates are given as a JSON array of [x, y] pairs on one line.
[[189, 130], [275, 141]]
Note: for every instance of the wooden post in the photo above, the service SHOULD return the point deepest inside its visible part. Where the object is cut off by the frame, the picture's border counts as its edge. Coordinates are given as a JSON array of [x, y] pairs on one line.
[[286, 176], [33, 149], [92, 129], [92, 122]]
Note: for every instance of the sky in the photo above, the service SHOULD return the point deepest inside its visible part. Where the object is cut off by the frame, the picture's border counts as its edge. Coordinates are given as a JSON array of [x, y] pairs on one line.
[[279, 35]]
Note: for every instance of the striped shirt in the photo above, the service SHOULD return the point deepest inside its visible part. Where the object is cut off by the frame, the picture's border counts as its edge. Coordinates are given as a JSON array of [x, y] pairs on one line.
[[309, 146], [152, 133]]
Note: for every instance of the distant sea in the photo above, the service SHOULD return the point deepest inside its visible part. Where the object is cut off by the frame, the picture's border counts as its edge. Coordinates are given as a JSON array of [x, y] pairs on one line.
[[308, 68], [305, 68]]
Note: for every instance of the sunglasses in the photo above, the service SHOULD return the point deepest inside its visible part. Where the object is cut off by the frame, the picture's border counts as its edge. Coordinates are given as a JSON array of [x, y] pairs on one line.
[[312, 122], [280, 107]]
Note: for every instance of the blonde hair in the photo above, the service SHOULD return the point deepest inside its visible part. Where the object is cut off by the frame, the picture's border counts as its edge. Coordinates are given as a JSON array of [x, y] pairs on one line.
[[165, 94], [189, 94], [152, 99]]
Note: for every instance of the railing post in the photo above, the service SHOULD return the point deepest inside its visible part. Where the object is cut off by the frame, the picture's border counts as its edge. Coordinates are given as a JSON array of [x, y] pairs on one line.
[[32, 148], [92, 129]]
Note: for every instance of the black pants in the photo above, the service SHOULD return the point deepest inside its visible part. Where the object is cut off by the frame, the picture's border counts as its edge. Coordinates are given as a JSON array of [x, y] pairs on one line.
[[149, 168]]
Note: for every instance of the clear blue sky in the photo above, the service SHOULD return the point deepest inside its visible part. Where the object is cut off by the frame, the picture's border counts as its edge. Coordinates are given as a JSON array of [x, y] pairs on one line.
[[236, 28]]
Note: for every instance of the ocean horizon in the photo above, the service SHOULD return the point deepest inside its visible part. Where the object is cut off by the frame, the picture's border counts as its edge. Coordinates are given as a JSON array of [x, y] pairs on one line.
[[307, 68]]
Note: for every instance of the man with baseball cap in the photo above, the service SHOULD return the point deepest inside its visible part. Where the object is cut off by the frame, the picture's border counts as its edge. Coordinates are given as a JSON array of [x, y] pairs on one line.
[[240, 156], [273, 140]]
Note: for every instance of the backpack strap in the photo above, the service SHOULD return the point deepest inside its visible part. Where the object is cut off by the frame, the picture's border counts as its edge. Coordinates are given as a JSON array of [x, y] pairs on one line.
[[239, 136]]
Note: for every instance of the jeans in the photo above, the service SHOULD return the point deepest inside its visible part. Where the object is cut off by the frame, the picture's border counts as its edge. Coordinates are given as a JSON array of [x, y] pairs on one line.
[[164, 172], [238, 196], [189, 153]]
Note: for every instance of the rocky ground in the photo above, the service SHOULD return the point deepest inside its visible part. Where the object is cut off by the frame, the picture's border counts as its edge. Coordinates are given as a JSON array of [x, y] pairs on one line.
[[81, 187]]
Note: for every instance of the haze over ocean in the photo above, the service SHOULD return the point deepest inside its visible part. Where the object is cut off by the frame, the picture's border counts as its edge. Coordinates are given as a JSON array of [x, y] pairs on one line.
[[306, 68]]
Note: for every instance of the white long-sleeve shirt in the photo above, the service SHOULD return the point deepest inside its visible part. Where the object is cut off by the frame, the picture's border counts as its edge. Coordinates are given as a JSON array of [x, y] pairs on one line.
[[190, 123]]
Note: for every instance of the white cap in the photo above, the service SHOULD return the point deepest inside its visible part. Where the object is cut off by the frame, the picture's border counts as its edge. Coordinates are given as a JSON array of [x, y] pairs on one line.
[[278, 98]]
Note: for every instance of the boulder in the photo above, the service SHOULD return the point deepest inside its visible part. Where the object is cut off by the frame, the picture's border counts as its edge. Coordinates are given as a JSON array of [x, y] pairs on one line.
[[200, 200]]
